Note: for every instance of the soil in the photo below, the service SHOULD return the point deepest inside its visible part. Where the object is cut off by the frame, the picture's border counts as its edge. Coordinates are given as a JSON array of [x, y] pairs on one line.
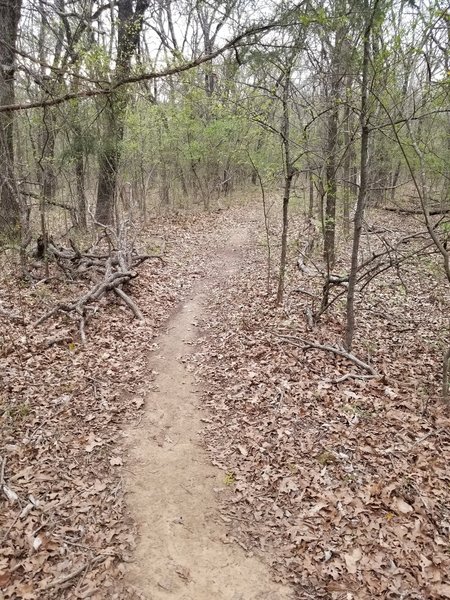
[[183, 551]]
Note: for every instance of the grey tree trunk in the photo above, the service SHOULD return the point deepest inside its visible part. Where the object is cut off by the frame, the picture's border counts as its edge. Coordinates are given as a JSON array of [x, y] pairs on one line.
[[80, 177], [288, 176], [362, 193], [129, 30], [108, 165], [311, 195], [9, 203], [348, 161], [329, 247]]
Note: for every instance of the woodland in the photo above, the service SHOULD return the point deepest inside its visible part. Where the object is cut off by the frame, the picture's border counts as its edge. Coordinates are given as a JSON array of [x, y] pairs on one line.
[[287, 166]]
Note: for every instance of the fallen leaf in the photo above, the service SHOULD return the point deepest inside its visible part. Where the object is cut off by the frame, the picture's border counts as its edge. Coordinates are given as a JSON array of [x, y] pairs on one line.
[[10, 494], [401, 506], [243, 450], [352, 559]]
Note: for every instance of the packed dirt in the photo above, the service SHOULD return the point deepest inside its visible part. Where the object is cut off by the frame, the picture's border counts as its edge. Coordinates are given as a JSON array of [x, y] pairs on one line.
[[183, 551]]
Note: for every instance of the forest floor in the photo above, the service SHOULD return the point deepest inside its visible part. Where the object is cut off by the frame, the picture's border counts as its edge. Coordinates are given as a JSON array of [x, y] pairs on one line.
[[184, 551], [199, 454]]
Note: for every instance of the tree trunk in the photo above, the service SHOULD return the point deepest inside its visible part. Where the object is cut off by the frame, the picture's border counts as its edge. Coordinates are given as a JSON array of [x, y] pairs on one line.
[[329, 248], [46, 159], [129, 30], [394, 180], [284, 237], [80, 178], [108, 167], [289, 174], [164, 188], [348, 160], [80, 168], [9, 204], [362, 193], [311, 195], [329, 251]]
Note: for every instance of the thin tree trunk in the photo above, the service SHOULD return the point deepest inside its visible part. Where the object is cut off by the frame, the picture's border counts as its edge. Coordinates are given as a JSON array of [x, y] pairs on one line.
[[9, 203], [445, 377], [80, 177], [329, 249], [394, 180], [362, 194], [348, 158], [129, 30], [46, 159], [259, 143], [311, 195], [289, 174]]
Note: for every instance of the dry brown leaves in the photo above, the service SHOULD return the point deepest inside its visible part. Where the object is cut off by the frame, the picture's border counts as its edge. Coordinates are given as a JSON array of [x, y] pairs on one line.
[[344, 487], [64, 529]]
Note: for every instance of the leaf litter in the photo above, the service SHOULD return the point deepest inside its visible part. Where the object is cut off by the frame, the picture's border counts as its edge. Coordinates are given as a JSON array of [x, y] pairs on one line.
[[341, 483], [64, 527], [342, 487]]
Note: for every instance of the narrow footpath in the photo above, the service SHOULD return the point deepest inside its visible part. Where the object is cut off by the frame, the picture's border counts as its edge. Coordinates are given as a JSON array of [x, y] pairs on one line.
[[183, 552]]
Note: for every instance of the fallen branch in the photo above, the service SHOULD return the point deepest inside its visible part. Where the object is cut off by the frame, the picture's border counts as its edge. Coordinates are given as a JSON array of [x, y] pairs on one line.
[[425, 437], [11, 316], [129, 302], [413, 211], [116, 269], [306, 345], [348, 376], [94, 293], [66, 578], [445, 376]]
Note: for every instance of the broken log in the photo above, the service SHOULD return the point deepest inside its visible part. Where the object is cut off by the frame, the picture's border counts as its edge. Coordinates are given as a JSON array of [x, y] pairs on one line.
[[416, 211]]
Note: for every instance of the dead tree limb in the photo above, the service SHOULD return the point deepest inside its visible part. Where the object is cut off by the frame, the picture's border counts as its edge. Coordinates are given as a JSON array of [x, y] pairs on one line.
[[412, 211], [129, 302], [114, 265], [306, 345], [66, 578]]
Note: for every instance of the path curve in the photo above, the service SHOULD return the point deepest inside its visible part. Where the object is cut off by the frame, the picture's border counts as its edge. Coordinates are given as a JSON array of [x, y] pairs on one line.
[[183, 552]]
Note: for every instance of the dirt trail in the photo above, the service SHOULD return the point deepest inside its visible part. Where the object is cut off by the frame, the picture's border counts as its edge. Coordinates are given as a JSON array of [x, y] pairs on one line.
[[182, 552]]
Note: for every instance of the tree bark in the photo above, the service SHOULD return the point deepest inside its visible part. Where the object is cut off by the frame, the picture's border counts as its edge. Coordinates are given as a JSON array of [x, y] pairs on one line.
[[108, 165], [348, 161], [362, 193], [329, 249], [80, 178], [289, 174], [129, 30], [336, 67], [9, 203], [311, 195]]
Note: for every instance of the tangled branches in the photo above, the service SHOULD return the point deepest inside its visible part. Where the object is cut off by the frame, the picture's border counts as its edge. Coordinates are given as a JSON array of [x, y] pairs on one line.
[[109, 271]]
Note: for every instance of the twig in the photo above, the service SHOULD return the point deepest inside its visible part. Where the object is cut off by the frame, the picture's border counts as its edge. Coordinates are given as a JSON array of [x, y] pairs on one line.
[[2, 470], [348, 376], [11, 316], [5, 537], [301, 291], [62, 580], [129, 302], [306, 344], [425, 437]]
